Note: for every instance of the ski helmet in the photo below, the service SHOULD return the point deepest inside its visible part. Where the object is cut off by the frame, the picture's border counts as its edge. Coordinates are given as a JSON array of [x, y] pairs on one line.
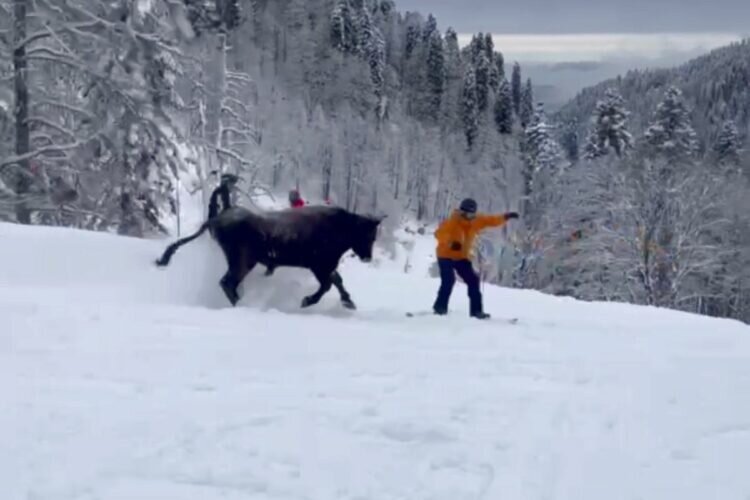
[[468, 206]]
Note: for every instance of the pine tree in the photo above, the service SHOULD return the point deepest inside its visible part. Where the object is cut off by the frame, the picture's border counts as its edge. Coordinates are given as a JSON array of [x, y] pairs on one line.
[[371, 47], [451, 98], [452, 54], [213, 15], [489, 47], [494, 70], [504, 108], [429, 28], [494, 78], [671, 134], [436, 71], [500, 64], [671, 145], [343, 34], [542, 151], [476, 47], [609, 128], [482, 80], [412, 38], [527, 104], [569, 141], [387, 7], [364, 31], [515, 87], [470, 106], [542, 161], [375, 52], [728, 145]]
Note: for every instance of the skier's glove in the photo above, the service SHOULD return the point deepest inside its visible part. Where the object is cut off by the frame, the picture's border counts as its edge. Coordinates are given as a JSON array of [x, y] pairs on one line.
[[511, 215], [455, 246]]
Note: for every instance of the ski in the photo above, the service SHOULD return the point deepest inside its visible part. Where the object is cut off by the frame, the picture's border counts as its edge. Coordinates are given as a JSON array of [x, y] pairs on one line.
[[419, 313], [416, 314]]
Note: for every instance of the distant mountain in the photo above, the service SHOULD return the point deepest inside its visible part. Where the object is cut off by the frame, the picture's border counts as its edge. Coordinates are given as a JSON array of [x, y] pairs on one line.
[[716, 87], [555, 84]]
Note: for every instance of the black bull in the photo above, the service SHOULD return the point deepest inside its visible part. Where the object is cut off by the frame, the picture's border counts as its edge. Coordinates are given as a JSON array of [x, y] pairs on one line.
[[313, 238]]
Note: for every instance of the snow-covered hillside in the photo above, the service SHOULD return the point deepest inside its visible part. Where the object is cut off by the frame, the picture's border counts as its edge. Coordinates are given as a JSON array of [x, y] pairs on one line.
[[121, 381]]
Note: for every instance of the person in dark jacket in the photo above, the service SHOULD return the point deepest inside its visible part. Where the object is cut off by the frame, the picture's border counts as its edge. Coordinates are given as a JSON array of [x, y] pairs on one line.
[[456, 237], [223, 193]]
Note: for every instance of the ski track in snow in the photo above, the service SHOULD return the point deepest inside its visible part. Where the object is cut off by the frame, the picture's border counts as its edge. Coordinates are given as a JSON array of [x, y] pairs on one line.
[[121, 381]]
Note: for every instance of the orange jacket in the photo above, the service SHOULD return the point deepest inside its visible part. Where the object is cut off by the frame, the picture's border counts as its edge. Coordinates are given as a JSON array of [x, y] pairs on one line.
[[458, 229]]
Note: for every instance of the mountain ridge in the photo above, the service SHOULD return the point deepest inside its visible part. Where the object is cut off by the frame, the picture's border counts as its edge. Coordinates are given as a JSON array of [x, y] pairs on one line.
[[716, 86]]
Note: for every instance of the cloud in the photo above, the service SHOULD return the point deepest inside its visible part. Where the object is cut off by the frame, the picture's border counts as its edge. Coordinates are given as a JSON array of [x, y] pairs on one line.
[[587, 16], [605, 46]]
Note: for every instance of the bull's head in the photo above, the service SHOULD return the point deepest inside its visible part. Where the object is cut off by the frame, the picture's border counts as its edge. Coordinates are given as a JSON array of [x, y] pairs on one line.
[[365, 236]]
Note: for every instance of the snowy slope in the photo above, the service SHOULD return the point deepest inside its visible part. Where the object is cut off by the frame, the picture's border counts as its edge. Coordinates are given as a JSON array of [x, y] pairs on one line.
[[121, 381]]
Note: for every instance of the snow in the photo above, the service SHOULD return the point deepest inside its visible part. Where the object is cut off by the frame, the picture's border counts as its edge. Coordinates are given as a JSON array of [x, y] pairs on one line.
[[122, 381]]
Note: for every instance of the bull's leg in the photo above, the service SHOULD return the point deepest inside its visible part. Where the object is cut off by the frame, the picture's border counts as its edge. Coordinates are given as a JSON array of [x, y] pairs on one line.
[[238, 269], [346, 299], [324, 278], [229, 284]]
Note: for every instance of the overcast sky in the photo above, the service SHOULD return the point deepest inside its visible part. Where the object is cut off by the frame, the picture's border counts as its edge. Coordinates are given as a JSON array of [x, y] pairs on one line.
[[540, 30]]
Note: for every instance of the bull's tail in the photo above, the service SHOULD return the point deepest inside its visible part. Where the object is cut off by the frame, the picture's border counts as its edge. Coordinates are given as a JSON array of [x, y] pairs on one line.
[[171, 249]]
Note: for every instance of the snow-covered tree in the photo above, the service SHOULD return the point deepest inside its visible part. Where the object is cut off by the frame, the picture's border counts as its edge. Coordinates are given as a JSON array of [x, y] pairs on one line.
[[452, 85], [412, 39], [476, 47], [527, 104], [542, 166], [489, 47], [609, 132], [470, 106], [504, 108], [482, 70], [728, 145], [436, 71], [430, 28], [542, 151], [343, 28], [516, 87], [569, 141], [671, 132], [85, 92], [500, 65], [495, 72], [372, 48]]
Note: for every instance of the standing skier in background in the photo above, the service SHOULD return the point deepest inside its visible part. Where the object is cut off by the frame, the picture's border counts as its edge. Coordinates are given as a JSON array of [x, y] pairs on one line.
[[455, 241], [222, 195]]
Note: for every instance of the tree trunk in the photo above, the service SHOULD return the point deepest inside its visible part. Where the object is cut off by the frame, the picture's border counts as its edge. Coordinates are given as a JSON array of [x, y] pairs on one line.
[[327, 171], [217, 68], [21, 109], [440, 190]]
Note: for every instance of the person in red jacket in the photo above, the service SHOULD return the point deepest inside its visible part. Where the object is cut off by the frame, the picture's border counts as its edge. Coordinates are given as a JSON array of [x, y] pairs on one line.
[[295, 200]]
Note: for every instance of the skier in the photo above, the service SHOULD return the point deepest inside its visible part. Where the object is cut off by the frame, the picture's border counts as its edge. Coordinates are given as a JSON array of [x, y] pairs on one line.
[[455, 240], [295, 200]]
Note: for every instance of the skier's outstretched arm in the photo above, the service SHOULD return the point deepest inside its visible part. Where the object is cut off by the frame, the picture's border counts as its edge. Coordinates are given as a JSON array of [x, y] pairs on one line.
[[483, 221]]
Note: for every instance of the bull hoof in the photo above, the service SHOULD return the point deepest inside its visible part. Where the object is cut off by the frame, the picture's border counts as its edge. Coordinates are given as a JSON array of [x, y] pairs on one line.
[[307, 302], [348, 304], [231, 294], [233, 298]]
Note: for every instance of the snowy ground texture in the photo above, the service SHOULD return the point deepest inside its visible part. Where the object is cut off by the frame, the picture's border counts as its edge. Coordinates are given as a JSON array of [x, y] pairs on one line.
[[120, 381]]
